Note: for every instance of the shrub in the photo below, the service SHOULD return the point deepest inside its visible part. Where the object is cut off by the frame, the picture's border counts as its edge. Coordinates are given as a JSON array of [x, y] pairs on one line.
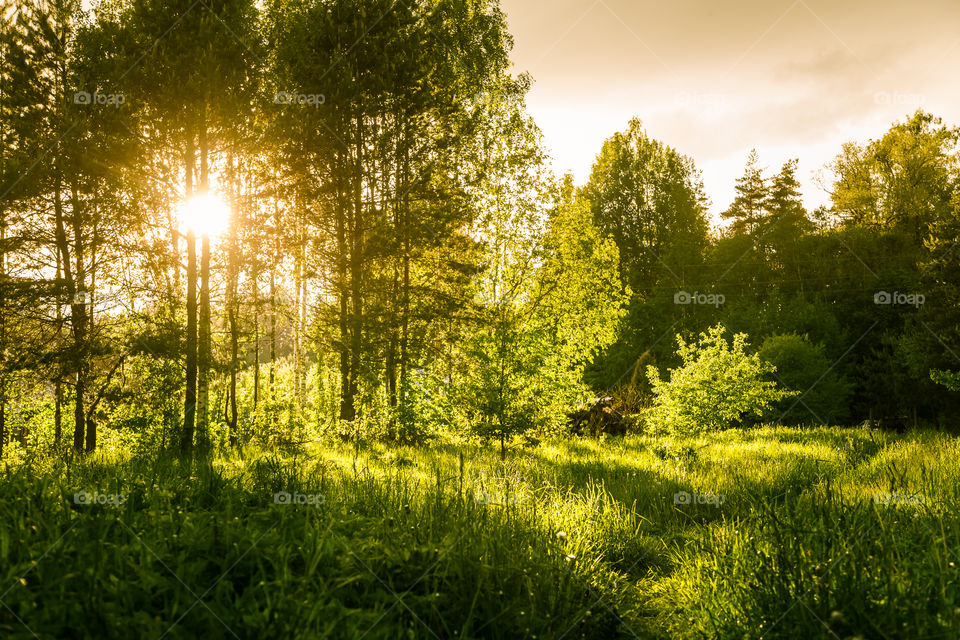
[[803, 367], [717, 385]]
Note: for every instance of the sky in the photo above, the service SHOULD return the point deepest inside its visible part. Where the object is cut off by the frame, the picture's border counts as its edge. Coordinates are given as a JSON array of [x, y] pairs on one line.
[[791, 78]]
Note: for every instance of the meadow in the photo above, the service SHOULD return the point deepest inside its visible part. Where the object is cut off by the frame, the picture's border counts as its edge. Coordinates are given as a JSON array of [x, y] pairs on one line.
[[772, 532]]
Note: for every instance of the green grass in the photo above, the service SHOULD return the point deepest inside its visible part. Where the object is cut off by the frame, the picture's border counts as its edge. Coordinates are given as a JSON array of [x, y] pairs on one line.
[[577, 539]]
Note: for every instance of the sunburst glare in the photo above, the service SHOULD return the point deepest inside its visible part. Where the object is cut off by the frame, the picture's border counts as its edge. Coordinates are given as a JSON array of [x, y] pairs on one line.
[[205, 214]]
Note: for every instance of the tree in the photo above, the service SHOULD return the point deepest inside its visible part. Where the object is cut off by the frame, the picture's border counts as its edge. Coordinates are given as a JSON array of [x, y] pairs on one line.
[[904, 181], [649, 199], [747, 211], [786, 220], [70, 204], [551, 301], [506, 350]]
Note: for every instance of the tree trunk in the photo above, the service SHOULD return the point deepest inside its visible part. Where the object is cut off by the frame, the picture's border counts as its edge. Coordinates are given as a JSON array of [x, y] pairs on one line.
[[91, 435], [233, 270], [256, 342], [347, 411], [190, 396], [347, 407], [58, 385], [298, 322], [78, 310], [405, 299], [356, 274], [273, 312], [63, 248], [204, 349], [3, 328]]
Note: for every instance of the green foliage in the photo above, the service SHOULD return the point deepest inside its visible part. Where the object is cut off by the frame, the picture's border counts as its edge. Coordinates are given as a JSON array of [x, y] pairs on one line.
[[550, 299], [949, 379], [717, 385], [501, 396], [802, 366], [425, 412], [903, 180], [649, 199], [752, 190]]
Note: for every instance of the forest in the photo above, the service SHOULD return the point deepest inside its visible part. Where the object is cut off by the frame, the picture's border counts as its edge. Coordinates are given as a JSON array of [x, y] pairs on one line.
[[302, 337]]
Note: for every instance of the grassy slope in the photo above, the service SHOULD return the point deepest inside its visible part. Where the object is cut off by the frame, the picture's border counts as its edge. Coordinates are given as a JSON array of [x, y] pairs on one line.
[[576, 539]]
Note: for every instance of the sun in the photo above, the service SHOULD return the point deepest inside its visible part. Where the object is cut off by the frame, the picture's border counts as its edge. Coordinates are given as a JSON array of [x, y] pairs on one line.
[[205, 214]]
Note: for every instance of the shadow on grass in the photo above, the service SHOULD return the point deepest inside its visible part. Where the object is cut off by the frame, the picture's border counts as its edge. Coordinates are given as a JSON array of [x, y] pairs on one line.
[[193, 550]]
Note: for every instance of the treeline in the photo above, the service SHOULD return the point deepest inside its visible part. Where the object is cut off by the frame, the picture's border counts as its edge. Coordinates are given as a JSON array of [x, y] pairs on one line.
[[395, 258], [856, 303]]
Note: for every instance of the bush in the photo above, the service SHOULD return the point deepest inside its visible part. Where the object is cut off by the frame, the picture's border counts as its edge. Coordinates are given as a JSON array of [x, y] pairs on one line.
[[803, 367], [717, 385]]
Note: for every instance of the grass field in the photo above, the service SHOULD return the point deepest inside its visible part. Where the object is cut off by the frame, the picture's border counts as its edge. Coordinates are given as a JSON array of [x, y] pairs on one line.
[[774, 533]]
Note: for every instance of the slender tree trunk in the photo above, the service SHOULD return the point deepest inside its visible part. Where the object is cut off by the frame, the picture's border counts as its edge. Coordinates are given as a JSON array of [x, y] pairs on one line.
[[347, 410], [341, 215], [233, 270], [58, 384], [273, 312], [234, 349], [190, 397], [204, 349], [298, 289], [394, 339], [78, 310], [356, 273], [256, 341], [405, 299], [91, 435], [302, 379], [3, 329], [405, 322], [63, 248]]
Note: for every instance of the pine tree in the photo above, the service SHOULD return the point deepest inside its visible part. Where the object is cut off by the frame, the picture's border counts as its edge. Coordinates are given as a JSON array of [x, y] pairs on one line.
[[749, 205]]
